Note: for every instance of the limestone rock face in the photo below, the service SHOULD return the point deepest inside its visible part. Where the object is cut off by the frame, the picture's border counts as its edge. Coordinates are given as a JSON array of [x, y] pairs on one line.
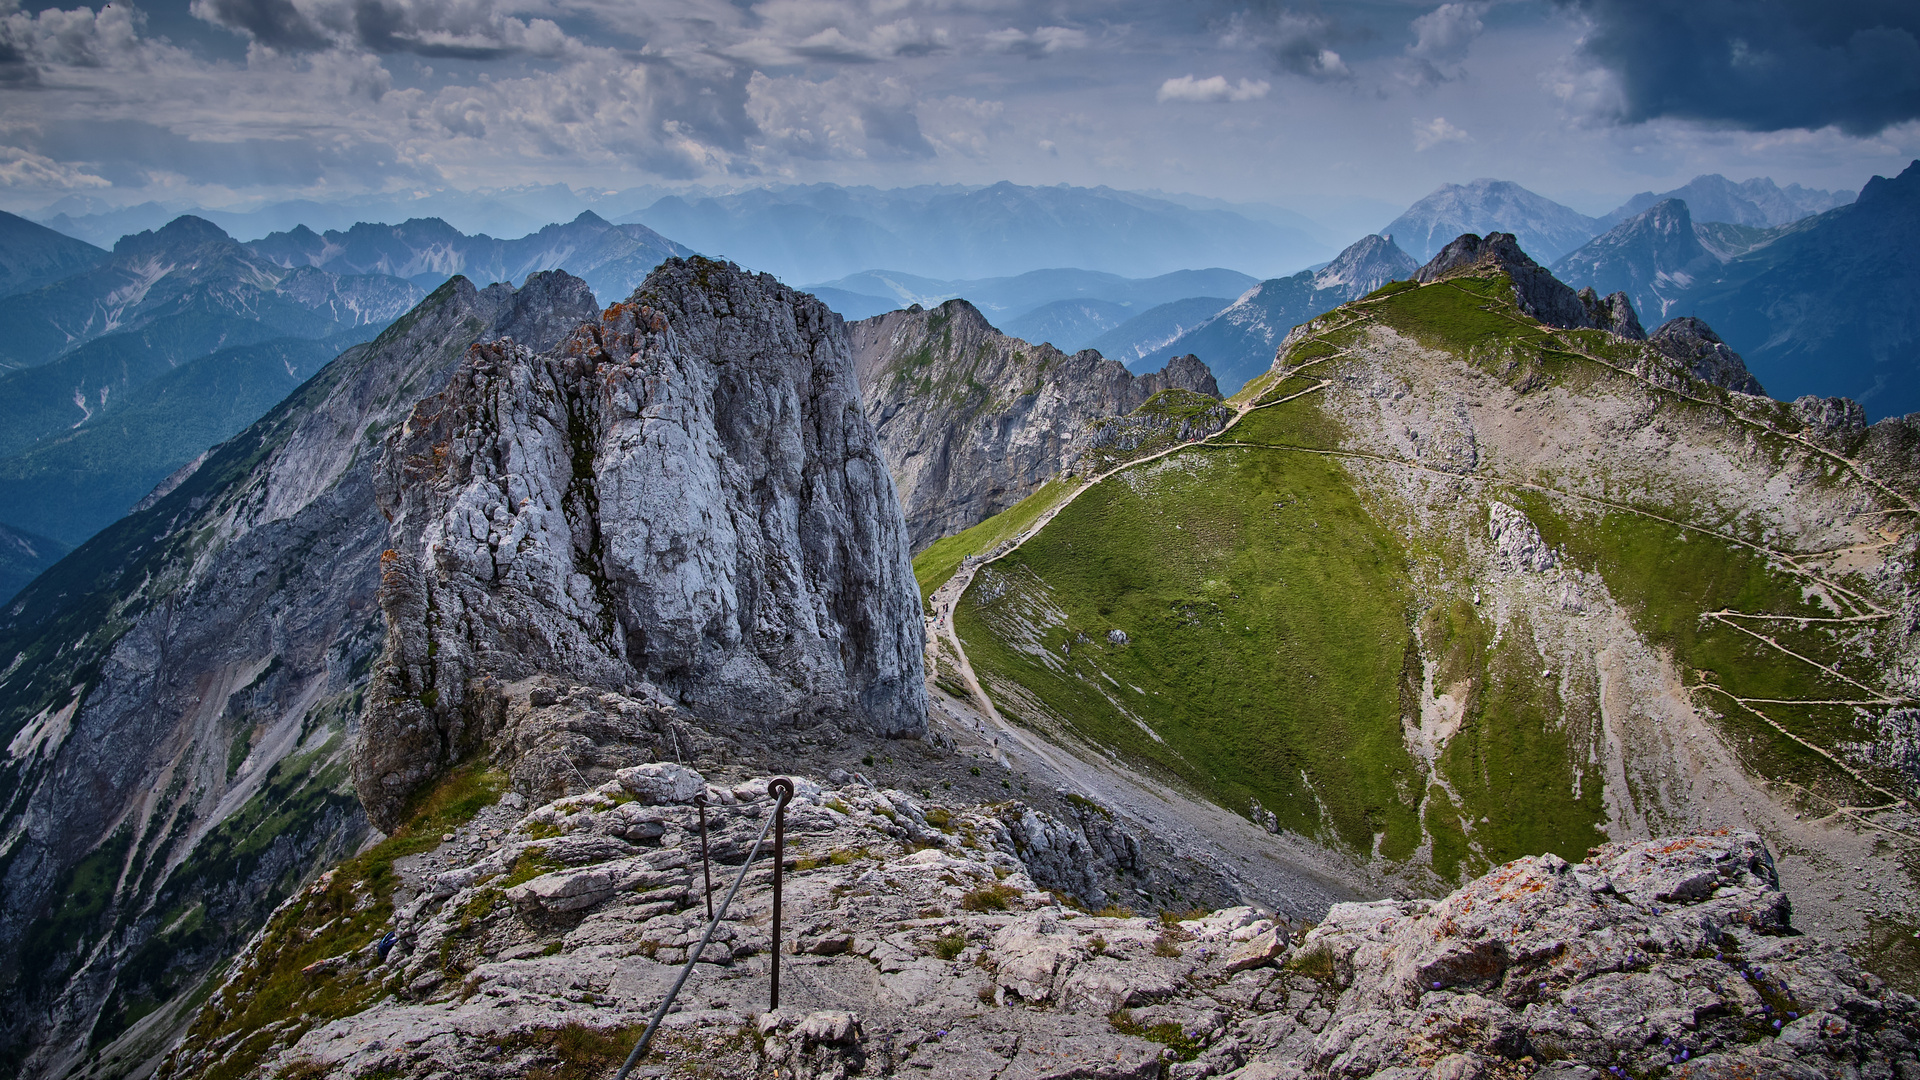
[[215, 704], [1538, 292], [683, 494], [910, 950], [1672, 954], [1694, 344], [1614, 314], [972, 421]]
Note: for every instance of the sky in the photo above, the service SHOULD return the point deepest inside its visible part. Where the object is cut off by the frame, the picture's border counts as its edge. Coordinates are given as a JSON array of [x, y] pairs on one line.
[[1330, 108]]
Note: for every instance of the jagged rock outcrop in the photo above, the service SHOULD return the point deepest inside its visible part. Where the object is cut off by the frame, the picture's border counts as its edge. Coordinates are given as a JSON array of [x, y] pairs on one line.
[[1664, 957], [1694, 344], [972, 421], [1168, 417], [918, 940], [683, 494], [1614, 314], [179, 693], [1238, 343], [1538, 292]]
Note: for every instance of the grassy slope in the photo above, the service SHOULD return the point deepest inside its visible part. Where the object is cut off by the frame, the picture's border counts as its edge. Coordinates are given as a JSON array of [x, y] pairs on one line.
[[1271, 623]]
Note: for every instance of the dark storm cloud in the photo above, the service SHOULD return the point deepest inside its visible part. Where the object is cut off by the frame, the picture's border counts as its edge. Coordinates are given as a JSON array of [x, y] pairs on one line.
[[274, 23], [1298, 38], [1762, 66]]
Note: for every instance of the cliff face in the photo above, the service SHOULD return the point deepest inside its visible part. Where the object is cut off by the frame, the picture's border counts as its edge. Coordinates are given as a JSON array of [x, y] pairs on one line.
[[179, 693], [683, 496], [972, 421]]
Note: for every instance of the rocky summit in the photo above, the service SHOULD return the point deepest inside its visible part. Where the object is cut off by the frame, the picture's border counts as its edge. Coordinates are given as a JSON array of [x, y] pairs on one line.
[[682, 495], [927, 936], [972, 421]]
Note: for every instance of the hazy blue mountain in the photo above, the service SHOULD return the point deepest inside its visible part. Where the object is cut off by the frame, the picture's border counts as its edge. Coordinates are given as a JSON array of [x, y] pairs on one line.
[[95, 378], [514, 211], [192, 270], [1758, 202], [1654, 256], [1068, 324], [612, 259], [34, 255], [1546, 229], [854, 306], [72, 484], [22, 557], [1004, 299], [823, 231], [1239, 342], [1832, 306], [1141, 343]]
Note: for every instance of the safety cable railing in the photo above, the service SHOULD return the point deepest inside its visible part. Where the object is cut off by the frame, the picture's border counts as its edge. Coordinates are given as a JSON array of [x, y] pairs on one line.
[[782, 791]]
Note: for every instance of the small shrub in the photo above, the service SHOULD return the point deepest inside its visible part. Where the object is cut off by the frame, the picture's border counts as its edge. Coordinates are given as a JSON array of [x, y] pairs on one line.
[[949, 945], [973, 770], [989, 898], [1185, 1047], [1165, 945], [867, 761], [1115, 911], [1098, 944], [940, 818]]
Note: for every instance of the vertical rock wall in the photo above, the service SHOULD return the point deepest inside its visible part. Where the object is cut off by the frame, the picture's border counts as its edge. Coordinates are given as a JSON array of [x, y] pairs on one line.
[[684, 494]]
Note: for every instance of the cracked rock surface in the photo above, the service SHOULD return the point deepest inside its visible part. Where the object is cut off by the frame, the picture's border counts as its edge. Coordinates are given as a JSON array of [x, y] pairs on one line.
[[682, 495], [916, 943]]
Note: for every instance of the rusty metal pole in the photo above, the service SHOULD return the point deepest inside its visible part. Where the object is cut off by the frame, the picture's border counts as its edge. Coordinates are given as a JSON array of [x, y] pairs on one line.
[[706, 867], [782, 791]]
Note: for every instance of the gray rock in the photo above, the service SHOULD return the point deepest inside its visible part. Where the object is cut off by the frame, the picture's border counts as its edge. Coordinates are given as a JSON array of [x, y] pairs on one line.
[[1614, 314], [1538, 292], [242, 628], [972, 421], [1694, 344], [683, 493], [662, 782], [1835, 421], [1517, 543]]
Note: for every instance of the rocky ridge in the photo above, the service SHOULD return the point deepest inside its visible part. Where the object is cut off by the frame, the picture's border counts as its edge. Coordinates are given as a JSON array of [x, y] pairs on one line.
[[971, 421], [1239, 341], [179, 694], [682, 494], [927, 937]]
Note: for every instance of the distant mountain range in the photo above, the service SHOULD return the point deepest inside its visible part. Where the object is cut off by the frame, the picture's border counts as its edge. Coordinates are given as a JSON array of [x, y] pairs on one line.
[[34, 255], [1758, 202], [823, 231], [192, 273], [1239, 342], [1006, 299], [1151, 332], [612, 259], [1544, 227], [1828, 305], [1550, 230]]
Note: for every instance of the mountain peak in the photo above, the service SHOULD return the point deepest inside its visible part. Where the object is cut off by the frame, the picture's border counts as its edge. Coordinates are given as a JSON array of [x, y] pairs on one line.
[[1905, 186], [185, 231], [1365, 265], [1538, 292]]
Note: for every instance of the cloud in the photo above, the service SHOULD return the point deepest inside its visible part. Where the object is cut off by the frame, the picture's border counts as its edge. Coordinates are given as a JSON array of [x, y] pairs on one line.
[[1436, 131], [1442, 38], [26, 169], [1298, 42], [1854, 64], [1041, 41], [459, 29], [1215, 88], [850, 116]]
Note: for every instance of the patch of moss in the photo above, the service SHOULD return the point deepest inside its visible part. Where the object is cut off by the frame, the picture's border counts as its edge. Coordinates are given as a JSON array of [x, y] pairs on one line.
[[1185, 1045], [279, 981]]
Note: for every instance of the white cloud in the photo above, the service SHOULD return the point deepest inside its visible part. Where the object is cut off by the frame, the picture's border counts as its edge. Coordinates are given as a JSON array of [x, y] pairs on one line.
[[1436, 131], [26, 169], [1186, 88], [1444, 34], [1042, 41], [853, 115]]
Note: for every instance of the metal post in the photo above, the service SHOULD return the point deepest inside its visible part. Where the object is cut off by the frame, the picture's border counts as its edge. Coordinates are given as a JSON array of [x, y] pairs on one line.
[[706, 871], [782, 791], [693, 956]]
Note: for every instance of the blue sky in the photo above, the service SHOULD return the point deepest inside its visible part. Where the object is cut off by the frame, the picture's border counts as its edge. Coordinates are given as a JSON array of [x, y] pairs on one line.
[[230, 103]]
